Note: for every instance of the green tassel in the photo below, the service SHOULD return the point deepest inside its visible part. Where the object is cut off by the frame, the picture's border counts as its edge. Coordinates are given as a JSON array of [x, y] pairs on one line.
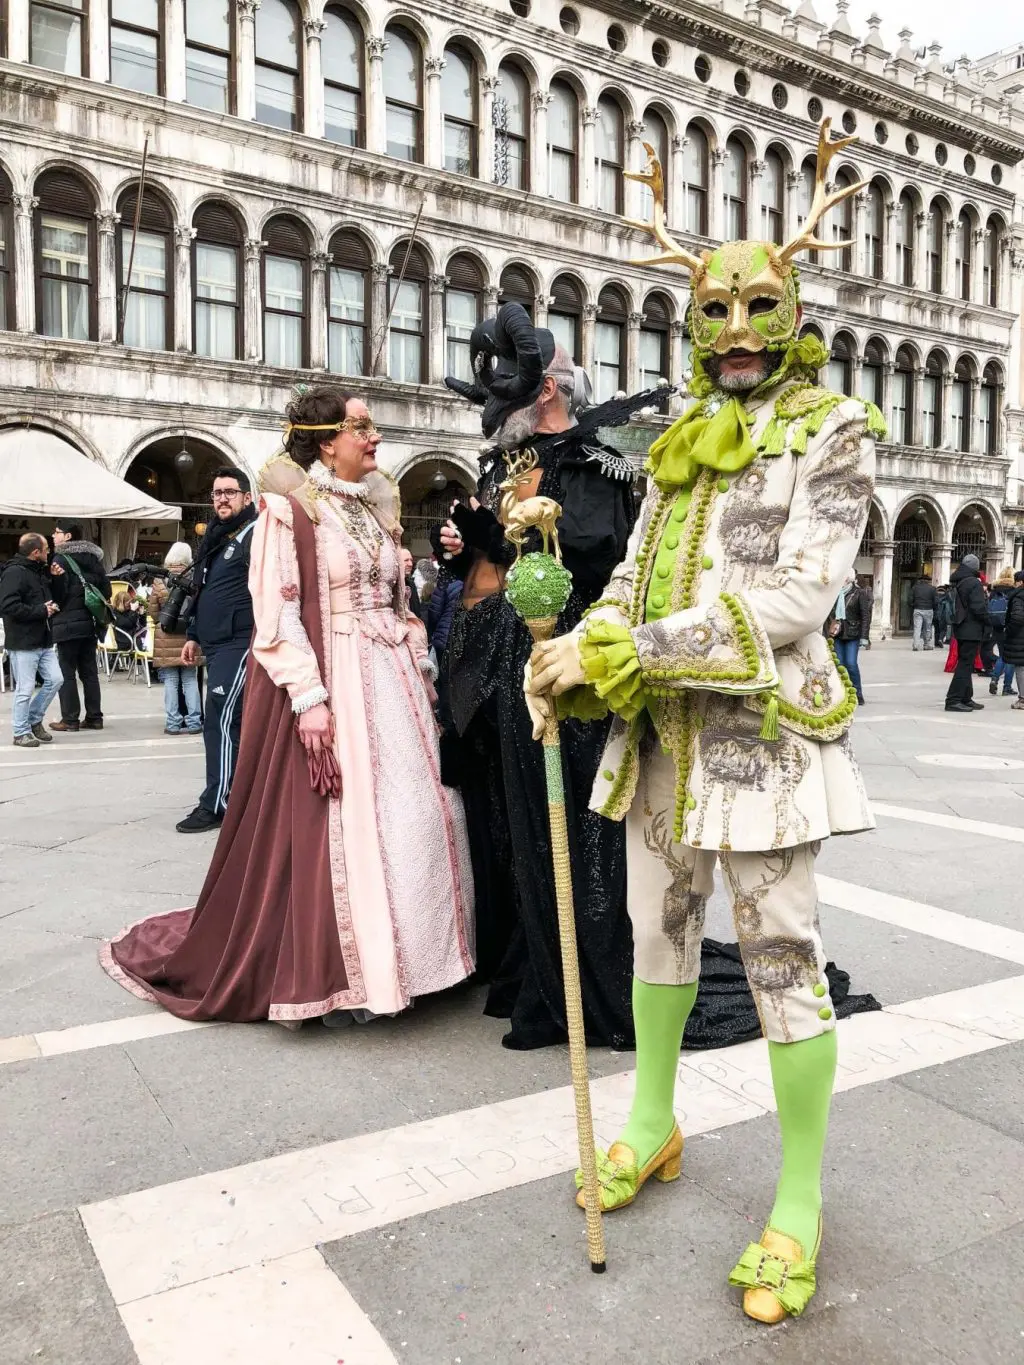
[[877, 425], [773, 438], [770, 723]]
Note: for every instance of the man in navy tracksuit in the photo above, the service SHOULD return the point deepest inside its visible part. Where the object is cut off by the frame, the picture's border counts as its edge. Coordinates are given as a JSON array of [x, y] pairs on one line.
[[221, 627]]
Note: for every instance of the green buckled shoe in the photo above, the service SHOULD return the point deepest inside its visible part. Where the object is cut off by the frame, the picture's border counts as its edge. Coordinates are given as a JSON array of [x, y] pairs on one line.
[[621, 1179], [779, 1282]]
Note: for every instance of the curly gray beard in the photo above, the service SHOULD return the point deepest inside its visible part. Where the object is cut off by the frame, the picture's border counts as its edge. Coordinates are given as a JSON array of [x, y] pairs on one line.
[[518, 427], [742, 383]]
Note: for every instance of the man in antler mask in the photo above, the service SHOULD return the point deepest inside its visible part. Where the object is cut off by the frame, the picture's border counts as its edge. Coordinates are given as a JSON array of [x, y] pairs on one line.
[[530, 392], [730, 742]]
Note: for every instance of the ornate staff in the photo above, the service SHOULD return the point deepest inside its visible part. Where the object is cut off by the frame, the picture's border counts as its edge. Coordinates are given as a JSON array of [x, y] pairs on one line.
[[538, 587]]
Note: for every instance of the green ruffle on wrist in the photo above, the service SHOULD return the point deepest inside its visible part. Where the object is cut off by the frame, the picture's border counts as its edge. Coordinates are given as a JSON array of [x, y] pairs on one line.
[[580, 703], [612, 668]]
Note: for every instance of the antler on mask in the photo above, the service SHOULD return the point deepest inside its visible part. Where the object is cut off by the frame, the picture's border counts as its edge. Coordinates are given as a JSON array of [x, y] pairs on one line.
[[822, 200], [674, 252]]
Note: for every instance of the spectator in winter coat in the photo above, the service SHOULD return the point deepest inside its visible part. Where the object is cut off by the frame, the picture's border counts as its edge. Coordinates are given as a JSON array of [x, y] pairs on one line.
[[998, 601], [75, 628], [943, 615], [167, 646], [849, 627], [1013, 636], [970, 624], [27, 607], [923, 601]]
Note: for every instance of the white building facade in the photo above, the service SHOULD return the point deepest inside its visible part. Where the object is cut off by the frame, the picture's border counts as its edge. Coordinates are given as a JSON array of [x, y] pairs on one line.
[[342, 190]]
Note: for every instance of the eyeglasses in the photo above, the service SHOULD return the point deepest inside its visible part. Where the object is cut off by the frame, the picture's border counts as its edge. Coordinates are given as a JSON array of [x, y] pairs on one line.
[[224, 494]]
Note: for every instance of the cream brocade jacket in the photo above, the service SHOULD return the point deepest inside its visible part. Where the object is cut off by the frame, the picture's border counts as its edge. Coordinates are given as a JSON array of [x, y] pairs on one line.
[[761, 556]]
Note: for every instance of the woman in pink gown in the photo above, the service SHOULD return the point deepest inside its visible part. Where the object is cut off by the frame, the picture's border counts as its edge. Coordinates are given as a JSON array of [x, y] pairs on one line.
[[341, 877]]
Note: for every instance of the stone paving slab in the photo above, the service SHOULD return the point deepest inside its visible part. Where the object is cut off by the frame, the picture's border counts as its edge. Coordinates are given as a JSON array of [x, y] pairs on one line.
[[50, 981], [988, 1088], [55, 1307]]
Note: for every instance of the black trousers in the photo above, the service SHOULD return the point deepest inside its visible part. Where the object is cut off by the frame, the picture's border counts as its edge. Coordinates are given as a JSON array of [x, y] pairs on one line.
[[961, 685], [222, 723], [79, 656]]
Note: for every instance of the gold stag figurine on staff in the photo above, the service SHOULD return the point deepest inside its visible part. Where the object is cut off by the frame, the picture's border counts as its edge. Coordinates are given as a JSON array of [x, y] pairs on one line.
[[519, 516]]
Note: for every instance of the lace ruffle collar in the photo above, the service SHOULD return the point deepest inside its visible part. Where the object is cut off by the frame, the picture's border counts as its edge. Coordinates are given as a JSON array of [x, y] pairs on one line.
[[327, 482]]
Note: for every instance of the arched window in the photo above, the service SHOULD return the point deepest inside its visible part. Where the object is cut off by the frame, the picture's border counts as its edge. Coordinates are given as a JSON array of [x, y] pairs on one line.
[[840, 365], [695, 175], [563, 137], [342, 56], [872, 373], [403, 91], [842, 221], [136, 46], [931, 401], [964, 260], [517, 285], [217, 283], [285, 294], [654, 340], [145, 311], [808, 176], [6, 254], [993, 250], [65, 257], [773, 198], [656, 133], [512, 129], [960, 407], [408, 301], [735, 182], [58, 36], [901, 424], [874, 233], [610, 138], [905, 216], [209, 56], [459, 110], [278, 82], [463, 309], [348, 303], [934, 247], [565, 315], [610, 348], [991, 403]]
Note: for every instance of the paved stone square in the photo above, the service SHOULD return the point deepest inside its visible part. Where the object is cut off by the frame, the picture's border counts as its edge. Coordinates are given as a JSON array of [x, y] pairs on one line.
[[401, 1192]]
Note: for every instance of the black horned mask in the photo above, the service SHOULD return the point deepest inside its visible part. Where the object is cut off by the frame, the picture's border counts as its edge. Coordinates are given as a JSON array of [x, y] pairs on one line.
[[509, 357]]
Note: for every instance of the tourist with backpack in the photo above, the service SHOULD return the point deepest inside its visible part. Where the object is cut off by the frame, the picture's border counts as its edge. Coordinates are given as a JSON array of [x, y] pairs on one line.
[[82, 592], [998, 603], [970, 623]]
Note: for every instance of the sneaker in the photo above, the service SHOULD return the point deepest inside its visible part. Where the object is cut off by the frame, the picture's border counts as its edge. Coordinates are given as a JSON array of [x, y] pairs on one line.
[[95, 724], [1009, 692], [993, 689], [199, 822], [1017, 706], [197, 731], [169, 731], [959, 706], [65, 727], [976, 705], [26, 742], [41, 733]]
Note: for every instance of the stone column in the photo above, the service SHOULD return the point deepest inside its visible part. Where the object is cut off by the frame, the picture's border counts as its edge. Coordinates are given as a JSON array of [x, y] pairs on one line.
[[183, 239], [635, 197], [755, 172], [716, 202], [97, 17], [858, 253], [318, 263], [633, 324], [791, 208], [435, 354], [974, 437], [946, 416], [948, 260], [1003, 284], [920, 265], [541, 304], [313, 79], [676, 206], [677, 334], [108, 286], [857, 377], [889, 267], [174, 51], [252, 301], [885, 611], [378, 357], [17, 31], [915, 407], [491, 292], [942, 561], [376, 108], [587, 187], [539, 144], [978, 240], [885, 399], [24, 263], [489, 86], [433, 135], [589, 336], [245, 71]]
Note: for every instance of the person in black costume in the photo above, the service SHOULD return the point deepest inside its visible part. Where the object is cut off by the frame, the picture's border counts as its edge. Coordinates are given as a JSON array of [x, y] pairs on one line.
[[530, 390]]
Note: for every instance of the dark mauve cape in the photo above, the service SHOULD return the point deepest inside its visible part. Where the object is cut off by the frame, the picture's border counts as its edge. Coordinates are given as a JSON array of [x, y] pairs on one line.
[[263, 941]]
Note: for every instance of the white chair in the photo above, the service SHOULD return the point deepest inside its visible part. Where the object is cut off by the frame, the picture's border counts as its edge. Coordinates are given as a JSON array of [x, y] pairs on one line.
[[118, 650], [142, 655]]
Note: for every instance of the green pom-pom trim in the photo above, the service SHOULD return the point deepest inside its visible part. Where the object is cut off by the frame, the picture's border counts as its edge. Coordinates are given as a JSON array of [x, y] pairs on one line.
[[538, 586]]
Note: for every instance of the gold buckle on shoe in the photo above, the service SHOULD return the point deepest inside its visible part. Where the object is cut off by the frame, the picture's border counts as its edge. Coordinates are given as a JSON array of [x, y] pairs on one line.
[[772, 1278]]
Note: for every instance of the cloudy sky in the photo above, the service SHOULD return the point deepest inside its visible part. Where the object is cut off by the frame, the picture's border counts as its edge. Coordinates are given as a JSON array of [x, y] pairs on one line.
[[974, 29]]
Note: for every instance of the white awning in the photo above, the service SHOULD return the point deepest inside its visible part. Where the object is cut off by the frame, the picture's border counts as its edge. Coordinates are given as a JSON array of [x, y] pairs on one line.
[[41, 475]]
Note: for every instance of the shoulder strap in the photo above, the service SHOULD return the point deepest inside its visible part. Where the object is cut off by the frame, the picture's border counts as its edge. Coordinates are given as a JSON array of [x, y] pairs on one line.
[[69, 560], [242, 540]]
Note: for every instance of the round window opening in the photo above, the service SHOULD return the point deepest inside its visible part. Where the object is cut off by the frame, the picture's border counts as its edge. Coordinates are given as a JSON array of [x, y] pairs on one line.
[[941, 153], [970, 165], [881, 134], [997, 175], [742, 83], [520, 8], [913, 146], [780, 96], [570, 21], [617, 38], [702, 69], [849, 121], [815, 109], [660, 52]]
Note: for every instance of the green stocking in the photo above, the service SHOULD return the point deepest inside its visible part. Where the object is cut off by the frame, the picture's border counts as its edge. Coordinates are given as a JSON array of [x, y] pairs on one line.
[[802, 1075], [659, 1016]]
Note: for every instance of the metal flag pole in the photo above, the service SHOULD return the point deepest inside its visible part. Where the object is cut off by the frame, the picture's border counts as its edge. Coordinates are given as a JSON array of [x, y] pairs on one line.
[[538, 588], [401, 278], [123, 312]]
